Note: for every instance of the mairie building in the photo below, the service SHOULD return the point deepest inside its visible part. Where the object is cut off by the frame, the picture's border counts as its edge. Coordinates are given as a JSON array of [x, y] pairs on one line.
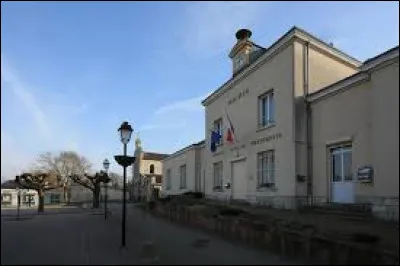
[[299, 121]]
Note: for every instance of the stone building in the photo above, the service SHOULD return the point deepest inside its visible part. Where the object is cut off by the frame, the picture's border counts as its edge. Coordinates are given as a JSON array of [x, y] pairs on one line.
[[306, 122], [146, 172]]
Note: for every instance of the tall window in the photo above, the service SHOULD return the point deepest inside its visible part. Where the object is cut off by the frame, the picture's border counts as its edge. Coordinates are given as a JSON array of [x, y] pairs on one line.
[[151, 168], [182, 172], [218, 128], [266, 108], [218, 175], [341, 164], [168, 179], [266, 168]]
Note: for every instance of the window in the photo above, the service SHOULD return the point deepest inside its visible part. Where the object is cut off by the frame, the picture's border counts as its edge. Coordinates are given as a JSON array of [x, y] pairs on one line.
[[341, 164], [28, 199], [6, 199], [266, 109], [218, 175], [218, 128], [182, 172], [265, 169], [54, 199], [151, 168], [168, 179]]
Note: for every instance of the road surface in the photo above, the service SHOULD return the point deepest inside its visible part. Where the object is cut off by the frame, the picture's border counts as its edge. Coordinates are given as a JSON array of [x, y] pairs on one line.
[[65, 236]]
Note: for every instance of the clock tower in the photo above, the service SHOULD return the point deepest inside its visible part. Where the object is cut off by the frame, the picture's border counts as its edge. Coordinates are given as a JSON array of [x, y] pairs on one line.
[[245, 51]]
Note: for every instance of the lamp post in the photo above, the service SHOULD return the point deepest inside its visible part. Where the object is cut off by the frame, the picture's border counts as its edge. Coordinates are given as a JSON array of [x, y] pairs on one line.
[[125, 133], [18, 201], [106, 165]]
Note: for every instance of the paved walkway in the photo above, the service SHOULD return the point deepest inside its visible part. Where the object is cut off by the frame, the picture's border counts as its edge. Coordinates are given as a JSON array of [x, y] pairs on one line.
[[76, 238]]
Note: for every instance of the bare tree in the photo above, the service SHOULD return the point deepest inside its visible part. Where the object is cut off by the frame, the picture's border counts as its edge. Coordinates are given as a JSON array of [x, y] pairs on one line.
[[40, 182], [64, 165], [92, 183], [116, 180]]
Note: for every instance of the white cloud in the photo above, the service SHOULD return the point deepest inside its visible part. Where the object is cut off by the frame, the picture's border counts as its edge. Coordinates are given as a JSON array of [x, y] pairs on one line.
[[72, 146], [13, 158], [192, 104], [210, 26], [148, 127], [174, 115], [51, 119], [9, 75]]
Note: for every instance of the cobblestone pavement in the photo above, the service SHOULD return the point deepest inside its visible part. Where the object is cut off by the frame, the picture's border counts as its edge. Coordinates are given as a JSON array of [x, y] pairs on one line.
[[85, 237]]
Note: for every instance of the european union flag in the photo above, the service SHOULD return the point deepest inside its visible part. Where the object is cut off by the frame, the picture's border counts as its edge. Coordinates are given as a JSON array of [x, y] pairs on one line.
[[215, 137]]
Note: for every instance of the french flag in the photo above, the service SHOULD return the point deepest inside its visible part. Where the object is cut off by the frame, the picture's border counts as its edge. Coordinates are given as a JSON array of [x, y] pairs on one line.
[[230, 136]]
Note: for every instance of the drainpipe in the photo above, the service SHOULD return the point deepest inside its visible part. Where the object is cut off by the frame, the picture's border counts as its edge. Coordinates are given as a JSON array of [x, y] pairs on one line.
[[308, 119]]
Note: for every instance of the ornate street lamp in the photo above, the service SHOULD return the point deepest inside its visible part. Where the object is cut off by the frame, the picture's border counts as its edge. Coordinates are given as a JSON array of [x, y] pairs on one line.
[[125, 133], [106, 165]]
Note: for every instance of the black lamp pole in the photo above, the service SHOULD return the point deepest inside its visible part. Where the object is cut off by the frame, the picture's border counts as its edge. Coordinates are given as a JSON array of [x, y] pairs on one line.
[[18, 201], [124, 160], [124, 203], [106, 165]]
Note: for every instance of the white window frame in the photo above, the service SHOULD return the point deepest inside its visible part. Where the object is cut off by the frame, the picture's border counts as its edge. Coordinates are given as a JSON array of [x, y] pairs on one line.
[[182, 174], [268, 118], [218, 127], [218, 175], [341, 150], [266, 168]]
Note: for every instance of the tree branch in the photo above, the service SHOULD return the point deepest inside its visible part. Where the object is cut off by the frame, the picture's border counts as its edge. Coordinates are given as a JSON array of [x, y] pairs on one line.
[[77, 179]]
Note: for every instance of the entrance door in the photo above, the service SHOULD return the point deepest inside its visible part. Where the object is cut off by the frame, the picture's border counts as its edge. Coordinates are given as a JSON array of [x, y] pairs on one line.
[[342, 187], [239, 180]]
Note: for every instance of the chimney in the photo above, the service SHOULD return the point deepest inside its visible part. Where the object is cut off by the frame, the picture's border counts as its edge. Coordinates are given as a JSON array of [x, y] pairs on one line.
[[243, 34]]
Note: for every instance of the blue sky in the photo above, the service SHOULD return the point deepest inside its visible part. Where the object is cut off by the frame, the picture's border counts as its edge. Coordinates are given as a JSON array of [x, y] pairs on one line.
[[71, 72]]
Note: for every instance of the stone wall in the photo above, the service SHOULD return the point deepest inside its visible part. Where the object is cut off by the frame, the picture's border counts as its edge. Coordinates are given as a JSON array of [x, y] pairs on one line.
[[290, 238], [386, 208]]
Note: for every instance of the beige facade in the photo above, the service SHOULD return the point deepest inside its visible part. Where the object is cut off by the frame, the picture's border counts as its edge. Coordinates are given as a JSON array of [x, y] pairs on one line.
[[182, 170], [362, 113], [146, 172], [283, 118], [282, 69]]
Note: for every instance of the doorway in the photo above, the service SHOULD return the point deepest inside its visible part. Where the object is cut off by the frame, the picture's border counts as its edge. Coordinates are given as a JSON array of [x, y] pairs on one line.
[[342, 184], [239, 180]]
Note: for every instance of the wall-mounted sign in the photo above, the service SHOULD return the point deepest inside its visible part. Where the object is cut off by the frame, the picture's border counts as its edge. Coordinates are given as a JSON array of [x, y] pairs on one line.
[[217, 153], [365, 174], [266, 139], [237, 148], [239, 96]]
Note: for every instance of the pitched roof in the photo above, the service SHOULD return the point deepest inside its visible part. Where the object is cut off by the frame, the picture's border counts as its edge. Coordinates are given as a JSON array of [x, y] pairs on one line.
[[10, 184], [360, 76], [266, 52], [199, 144], [154, 156], [381, 55]]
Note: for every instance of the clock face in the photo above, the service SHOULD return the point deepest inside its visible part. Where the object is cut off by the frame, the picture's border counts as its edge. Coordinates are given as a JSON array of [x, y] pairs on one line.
[[239, 62]]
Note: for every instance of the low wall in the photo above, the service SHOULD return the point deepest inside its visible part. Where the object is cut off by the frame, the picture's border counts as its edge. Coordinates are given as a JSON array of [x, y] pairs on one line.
[[386, 208], [288, 238], [383, 208]]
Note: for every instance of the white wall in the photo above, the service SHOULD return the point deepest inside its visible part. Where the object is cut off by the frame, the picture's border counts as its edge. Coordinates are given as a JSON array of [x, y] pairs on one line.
[[14, 196], [190, 156]]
